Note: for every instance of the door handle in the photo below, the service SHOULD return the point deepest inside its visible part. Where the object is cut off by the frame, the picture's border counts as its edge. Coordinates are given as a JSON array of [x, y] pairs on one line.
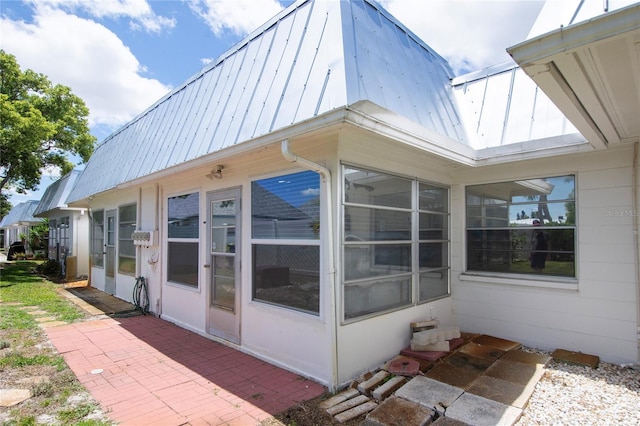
[[206, 265]]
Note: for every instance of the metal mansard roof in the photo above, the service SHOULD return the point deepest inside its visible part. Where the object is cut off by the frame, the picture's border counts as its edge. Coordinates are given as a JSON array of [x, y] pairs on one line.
[[312, 58], [21, 214], [56, 194]]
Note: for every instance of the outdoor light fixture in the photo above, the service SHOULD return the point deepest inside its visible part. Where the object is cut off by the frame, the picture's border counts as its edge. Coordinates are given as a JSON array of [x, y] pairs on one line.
[[216, 173]]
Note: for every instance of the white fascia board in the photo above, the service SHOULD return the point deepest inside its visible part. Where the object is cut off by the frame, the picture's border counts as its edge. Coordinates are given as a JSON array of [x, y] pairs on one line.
[[542, 48]]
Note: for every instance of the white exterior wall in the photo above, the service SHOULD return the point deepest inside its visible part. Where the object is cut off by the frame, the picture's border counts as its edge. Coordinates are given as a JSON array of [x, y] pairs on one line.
[[368, 343], [597, 314]]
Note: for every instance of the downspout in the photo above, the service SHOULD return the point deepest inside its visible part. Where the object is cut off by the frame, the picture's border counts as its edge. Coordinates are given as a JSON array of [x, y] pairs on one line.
[[636, 246], [325, 174]]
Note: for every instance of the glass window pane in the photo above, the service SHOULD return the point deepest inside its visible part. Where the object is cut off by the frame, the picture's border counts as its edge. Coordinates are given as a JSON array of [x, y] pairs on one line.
[[183, 263], [126, 248], [365, 261], [434, 226], [546, 250], [433, 198], [224, 282], [434, 255], [97, 246], [368, 297], [366, 224], [183, 220], [286, 207], [434, 284], [287, 276], [377, 189]]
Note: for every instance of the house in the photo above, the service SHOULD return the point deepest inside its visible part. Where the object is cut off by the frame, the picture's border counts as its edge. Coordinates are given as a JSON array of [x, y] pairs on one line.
[[68, 226], [329, 180], [17, 225]]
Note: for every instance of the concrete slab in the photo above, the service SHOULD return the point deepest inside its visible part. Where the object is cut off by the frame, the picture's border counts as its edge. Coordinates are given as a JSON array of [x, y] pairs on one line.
[[448, 421], [459, 376], [478, 411], [496, 342], [515, 372], [396, 411], [11, 397], [502, 391], [469, 361], [481, 351], [429, 393], [526, 357], [576, 358]]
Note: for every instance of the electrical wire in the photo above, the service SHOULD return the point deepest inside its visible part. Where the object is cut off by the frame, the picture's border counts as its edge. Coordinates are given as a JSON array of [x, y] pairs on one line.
[[141, 295]]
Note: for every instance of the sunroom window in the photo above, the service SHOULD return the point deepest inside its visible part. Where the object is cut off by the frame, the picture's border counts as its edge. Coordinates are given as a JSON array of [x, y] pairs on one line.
[[126, 248], [97, 239], [522, 227], [395, 241], [285, 231], [183, 239]]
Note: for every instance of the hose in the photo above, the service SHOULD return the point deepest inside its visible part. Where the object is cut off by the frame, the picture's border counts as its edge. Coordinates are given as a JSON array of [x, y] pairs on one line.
[[141, 295]]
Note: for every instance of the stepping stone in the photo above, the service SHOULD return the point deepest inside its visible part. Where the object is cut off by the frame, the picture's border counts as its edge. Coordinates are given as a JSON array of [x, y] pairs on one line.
[[348, 404], [403, 367], [478, 411], [515, 372], [496, 342], [576, 358], [460, 377], [375, 381], [424, 365], [387, 388], [394, 411], [11, 397], [502, 391], [481, 351], [526, 357], [429, 393]]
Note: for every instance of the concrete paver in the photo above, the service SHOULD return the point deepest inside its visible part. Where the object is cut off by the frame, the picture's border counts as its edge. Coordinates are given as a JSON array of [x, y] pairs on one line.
[[429, 393], [479, 411], [398, 411]]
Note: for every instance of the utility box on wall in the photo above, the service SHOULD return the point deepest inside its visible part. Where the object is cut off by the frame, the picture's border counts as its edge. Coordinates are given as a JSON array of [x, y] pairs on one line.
[[144, 238]]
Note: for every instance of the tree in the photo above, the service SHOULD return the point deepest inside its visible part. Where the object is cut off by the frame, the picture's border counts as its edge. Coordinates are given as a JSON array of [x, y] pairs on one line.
[[42, 124]]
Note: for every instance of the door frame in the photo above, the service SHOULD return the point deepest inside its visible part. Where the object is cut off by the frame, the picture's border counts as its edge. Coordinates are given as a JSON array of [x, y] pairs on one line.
[[223, 321], [110, 281]]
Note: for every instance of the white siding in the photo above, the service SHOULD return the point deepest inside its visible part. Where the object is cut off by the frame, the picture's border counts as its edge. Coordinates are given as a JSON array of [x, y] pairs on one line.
[[599, 317]]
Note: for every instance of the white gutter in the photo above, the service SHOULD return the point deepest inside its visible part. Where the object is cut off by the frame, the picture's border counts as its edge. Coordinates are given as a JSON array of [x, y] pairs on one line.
[[328, 243]]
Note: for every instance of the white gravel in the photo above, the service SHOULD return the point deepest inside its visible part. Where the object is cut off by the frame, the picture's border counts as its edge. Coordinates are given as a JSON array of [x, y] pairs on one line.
[[576, 395]]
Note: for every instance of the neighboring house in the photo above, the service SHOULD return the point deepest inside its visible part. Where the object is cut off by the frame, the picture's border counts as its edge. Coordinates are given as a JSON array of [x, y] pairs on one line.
[[68, 226], [18, 222], [329, 180]]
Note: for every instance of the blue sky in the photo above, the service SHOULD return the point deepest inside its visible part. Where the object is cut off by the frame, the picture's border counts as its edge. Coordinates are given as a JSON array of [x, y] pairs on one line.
[[121, 56]]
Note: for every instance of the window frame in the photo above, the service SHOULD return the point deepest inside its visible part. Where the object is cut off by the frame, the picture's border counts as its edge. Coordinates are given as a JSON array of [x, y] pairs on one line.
[[530, 277], [256, 241], [97, 252], [414, 242], [193, 240], [125, 240]]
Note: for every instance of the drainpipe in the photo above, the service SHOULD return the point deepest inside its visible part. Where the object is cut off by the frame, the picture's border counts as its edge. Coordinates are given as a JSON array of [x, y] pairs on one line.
[[634, 214], [325, 174]]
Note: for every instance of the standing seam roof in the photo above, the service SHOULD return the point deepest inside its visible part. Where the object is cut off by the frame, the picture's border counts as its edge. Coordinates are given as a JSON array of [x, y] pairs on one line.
[[313, 57]]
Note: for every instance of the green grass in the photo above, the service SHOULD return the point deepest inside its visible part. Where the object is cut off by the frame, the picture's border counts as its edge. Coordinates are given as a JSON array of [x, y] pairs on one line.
[[18, 284]]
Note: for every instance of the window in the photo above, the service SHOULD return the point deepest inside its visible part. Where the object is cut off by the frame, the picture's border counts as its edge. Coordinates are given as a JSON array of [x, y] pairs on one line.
[[53, 239], [126, 248], [97, 239], [523, 227], [285, 229], [183, 239], [65, 248], [395, 238]]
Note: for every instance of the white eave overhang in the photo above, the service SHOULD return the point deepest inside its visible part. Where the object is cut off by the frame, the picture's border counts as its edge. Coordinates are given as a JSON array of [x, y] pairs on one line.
[[591, 71]]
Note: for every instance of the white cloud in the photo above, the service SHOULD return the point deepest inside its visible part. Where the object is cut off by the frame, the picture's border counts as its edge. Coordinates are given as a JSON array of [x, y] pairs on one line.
[[87, 57], [470, 34], [239, 16], [138, 11]]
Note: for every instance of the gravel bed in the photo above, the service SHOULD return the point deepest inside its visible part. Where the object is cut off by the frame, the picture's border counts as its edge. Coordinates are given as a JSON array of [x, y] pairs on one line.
[[576, 395]]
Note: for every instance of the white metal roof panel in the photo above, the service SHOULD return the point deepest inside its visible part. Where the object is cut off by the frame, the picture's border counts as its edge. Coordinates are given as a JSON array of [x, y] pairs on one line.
[[21, 213], [55, 195], [311, 58]]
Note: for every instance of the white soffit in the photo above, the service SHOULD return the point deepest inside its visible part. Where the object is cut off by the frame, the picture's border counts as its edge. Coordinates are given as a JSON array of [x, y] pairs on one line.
[[591, 71]]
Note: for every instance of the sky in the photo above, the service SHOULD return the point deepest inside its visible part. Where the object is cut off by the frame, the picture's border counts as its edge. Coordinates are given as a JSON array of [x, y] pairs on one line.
[[121, 56]]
